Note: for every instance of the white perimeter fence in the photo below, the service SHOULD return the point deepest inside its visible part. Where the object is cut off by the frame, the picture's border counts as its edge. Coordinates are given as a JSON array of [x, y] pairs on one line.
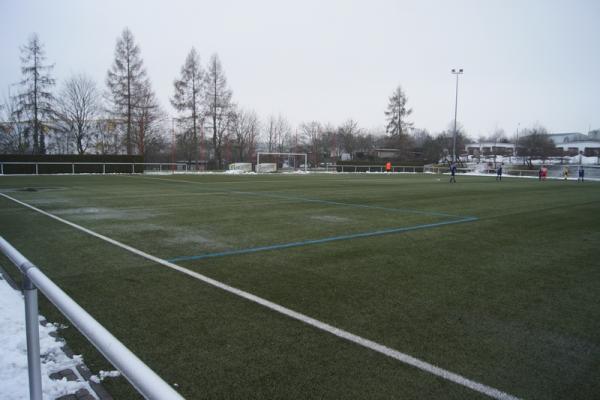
[[369, 168], [143, 379], [40, 168], [74, 168]]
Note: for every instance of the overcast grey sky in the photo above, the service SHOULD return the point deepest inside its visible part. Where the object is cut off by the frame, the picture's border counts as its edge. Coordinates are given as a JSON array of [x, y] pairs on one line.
[[525, 61]]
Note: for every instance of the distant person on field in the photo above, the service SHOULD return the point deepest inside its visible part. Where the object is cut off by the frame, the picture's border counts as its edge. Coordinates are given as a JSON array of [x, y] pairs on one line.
[[581, 173], [544, 173], [388, 167], [540, 173], [453, 173], [499, 173], [566, 173]]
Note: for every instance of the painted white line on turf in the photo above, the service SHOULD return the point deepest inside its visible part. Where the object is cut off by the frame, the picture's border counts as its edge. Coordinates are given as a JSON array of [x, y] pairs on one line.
[[395, 354]]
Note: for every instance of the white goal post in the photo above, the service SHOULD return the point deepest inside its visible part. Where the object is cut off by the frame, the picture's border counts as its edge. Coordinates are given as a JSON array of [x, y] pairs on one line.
[[303, 166]]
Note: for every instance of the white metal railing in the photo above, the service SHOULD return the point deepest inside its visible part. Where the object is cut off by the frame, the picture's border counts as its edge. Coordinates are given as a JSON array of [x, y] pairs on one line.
[[35, 167], [373, 168], [143, 379]]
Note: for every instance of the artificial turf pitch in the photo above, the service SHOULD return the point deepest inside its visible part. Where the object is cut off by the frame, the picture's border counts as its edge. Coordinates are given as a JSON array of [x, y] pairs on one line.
[[496, 281]]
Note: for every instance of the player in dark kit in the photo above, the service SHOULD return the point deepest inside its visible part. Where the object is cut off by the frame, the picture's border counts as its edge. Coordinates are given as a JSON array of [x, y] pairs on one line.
[[453, 173], [499, 173], [581, 173]]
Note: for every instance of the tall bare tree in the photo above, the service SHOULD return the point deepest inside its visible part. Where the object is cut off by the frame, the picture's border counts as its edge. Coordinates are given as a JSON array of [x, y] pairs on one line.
[[217, 104], [125, 81], [34, 102], [397, 113], [148, 118], [346, 138], [245, 128], [13, 131], [312, 132], [535, 143], [78, 107], [188, 96], [278, 133]]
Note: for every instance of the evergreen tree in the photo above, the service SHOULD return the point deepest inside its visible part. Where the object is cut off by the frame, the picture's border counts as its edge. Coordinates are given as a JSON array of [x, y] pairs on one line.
[[34, 102], [188, 96], [218, 104], [397, 113], [125, 80]]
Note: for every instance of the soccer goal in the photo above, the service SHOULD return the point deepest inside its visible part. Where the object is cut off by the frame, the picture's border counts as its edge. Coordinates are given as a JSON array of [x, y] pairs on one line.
[[283, 162]]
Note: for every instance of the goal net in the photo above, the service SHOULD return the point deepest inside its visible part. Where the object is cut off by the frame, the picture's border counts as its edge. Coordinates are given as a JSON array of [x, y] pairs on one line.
[[281, 162]]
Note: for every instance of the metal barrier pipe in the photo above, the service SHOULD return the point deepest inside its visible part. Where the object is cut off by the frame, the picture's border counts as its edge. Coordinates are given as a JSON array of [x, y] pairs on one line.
[[32, 332], [143, 379]]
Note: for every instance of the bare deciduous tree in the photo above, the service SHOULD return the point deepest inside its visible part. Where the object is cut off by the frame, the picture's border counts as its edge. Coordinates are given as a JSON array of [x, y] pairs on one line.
[[148, 118], [13, 132], [312, 134], [535, 143], [245, 128], [278, 134], [34, 102], [346, 139], [78, 107]]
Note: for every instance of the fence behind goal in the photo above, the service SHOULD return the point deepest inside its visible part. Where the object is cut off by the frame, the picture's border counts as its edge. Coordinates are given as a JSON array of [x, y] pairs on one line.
[[272, 162]]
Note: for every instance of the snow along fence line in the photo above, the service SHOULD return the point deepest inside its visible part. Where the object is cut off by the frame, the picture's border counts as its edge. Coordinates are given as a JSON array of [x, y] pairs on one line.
[[143, 379]]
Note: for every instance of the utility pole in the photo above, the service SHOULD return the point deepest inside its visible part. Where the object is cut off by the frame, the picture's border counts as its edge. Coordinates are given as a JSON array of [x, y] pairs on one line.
[[455, 72]]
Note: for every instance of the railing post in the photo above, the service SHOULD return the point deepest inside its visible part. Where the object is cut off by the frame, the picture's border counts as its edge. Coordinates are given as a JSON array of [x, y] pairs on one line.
[[72, 168], [1, 168], [132, 168], [36, 168], [103, 168], [33, 339]]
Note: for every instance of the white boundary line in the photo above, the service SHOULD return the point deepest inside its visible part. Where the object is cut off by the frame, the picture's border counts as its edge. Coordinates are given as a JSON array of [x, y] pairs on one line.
[[402, 357]]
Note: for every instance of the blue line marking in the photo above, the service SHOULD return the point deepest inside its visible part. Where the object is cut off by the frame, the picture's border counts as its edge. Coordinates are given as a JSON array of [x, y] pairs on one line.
[[319, 241]]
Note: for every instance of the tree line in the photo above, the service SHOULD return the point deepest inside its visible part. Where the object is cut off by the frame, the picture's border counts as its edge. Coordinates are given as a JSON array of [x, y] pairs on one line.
[[210, 128]]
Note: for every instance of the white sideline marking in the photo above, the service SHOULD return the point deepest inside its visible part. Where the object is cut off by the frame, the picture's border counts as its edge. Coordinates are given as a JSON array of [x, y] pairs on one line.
[[405, 358]]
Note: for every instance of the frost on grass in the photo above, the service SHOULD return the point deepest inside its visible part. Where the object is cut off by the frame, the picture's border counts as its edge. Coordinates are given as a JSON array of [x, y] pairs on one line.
[[173, 234], [13, 353], [102, 213]]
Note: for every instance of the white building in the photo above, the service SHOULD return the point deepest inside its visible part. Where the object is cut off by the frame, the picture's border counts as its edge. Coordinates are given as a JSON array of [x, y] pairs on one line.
[[490, 148], [587, 147]]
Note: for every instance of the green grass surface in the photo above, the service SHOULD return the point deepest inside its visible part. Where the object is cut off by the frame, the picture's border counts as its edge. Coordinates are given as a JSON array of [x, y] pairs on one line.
[[511, 300]]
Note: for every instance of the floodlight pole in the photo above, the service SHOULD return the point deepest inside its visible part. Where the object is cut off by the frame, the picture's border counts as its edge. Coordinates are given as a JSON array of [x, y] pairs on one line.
[[455, 72]]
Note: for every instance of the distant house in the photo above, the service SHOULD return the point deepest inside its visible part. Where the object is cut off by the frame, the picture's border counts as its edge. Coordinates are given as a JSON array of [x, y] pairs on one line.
[[490, 148], [594, 135], [577, 143], [560, 138], [387, 153], [586, 147]]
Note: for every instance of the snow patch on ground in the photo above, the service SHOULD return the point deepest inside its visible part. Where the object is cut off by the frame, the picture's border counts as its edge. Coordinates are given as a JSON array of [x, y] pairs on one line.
[[330, 218], [13, 353], [104, 375]]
